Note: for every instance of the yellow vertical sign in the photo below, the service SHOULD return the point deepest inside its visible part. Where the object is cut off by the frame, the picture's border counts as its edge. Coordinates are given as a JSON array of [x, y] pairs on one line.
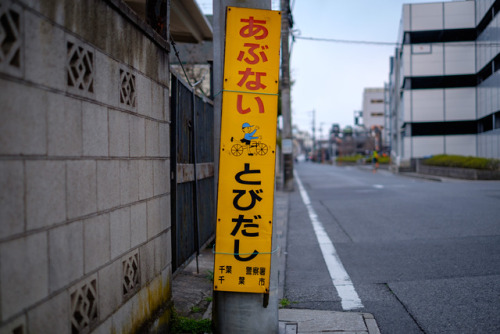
[[247, 150]]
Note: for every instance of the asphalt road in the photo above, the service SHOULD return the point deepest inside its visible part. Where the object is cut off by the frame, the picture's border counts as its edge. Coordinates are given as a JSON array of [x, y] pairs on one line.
[[423, 256]]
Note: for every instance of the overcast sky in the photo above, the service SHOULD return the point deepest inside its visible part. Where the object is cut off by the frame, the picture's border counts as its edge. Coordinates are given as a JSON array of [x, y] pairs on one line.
[[330, 77]]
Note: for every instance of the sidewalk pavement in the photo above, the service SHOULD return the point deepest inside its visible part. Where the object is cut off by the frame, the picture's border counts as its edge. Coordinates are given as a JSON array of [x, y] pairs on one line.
[[192, 291]]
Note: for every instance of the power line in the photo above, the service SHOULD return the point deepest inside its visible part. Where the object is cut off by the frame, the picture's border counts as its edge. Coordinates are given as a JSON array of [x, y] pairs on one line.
[[346, 41], [333, 40]]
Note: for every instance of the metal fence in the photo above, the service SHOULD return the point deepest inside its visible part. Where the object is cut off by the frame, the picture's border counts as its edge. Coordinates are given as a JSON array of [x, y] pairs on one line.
[[192, 148]]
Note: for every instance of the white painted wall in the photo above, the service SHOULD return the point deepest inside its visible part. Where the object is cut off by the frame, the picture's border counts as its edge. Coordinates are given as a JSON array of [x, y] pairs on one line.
[[489, 144], [459, 58], [428, 16], [428, 64], [461, 145], [407, 148], [460, 104], [428, 105], [488, 96], [407, 115], [459, 15], [482, 7], [427, 145]]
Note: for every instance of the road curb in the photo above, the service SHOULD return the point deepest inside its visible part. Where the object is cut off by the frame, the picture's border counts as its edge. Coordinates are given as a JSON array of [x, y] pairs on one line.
[[422, 176], [371, 323]]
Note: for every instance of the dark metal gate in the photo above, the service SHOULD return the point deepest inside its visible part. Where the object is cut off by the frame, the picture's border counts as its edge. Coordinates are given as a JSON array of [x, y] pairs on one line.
[[193, 204]]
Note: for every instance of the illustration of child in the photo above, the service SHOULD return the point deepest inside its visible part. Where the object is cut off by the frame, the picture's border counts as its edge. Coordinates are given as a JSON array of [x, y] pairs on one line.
[[249, 131]]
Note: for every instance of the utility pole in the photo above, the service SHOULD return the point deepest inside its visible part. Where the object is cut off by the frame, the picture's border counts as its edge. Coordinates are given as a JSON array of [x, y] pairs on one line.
[[314, 132], [287, 143], [399, 146], [236, 312]]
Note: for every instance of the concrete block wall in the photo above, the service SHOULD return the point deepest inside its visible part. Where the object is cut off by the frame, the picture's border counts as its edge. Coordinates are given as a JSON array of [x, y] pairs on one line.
[[85, 241]]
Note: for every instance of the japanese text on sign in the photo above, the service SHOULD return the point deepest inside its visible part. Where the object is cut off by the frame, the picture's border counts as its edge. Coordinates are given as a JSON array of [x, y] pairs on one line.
[[247, 151]]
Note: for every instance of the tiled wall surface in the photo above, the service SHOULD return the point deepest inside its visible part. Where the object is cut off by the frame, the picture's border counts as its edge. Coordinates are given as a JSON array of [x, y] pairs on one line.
[[84, 168]]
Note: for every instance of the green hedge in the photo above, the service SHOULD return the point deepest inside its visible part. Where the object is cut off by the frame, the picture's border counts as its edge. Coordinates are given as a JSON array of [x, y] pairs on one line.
[[381, 160], [357, 157], [349, 158], [462, 162]]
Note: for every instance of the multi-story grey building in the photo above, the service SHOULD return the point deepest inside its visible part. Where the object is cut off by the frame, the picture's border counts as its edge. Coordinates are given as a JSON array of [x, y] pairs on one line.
[[444, 86], [373, 107], [373, 114]]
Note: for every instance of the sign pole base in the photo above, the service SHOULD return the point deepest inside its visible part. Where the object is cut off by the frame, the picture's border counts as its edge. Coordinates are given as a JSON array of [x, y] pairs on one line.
[[245, 313]]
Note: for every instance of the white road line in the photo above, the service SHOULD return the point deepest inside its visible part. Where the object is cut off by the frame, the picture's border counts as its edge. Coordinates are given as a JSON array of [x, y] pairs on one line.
[[378, 186], [341, 280]]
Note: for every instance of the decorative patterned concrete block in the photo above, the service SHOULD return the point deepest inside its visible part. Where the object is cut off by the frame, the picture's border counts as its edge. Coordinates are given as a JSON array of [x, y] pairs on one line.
[[153, 217], [108, 184], [64, 116], [110, 289], [66, 255], [12, 31], [138, 224], [18, 325], [45, 193], [23, 121], [96, 241], [131, 276], [45, 52], [11, 198], [80, 71], [81, 188], [128, 88], [147, 254], [129, 181], [137, 136], [52, 316], [24, 273], [94, 130], [120, 231], [152, 139], [118, 133], [84, 299], [145, 179]]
